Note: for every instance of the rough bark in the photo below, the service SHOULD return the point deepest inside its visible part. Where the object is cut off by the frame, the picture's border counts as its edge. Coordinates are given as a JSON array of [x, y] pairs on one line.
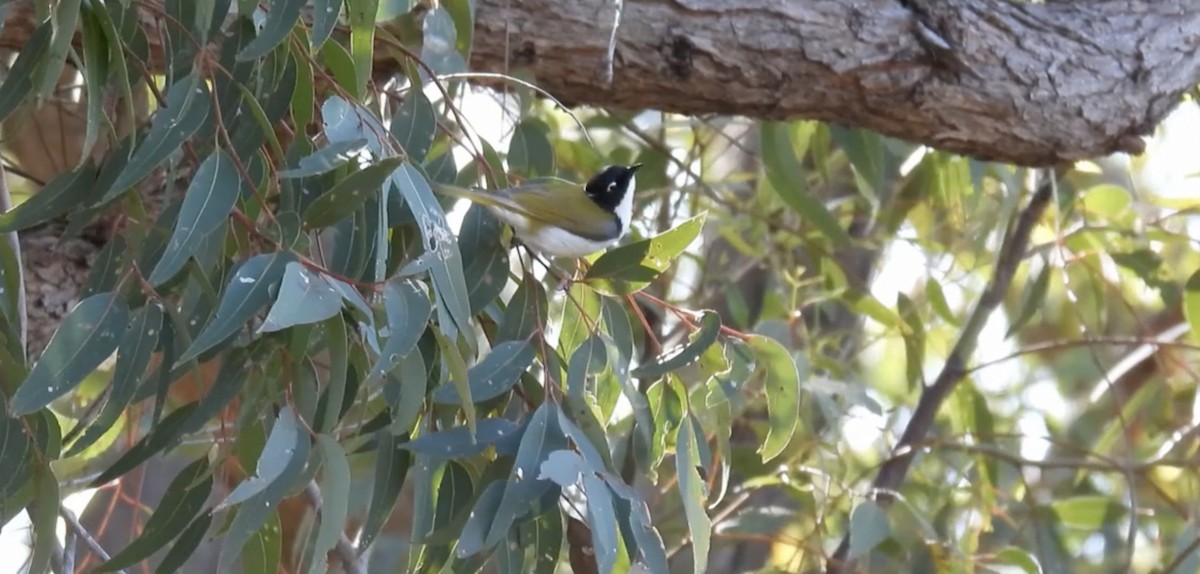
[[1020, 82]]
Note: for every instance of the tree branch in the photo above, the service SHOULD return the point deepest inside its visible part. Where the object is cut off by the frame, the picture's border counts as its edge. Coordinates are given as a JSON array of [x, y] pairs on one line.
[[1021, 82], [1032, 84], [1012, 252]]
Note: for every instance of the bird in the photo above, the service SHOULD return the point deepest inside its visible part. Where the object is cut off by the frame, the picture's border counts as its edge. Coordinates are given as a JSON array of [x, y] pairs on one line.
[[560, 218]]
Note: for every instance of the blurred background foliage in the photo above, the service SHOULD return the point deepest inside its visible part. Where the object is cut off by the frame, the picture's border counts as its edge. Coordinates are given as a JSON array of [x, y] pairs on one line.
[[298, 322]]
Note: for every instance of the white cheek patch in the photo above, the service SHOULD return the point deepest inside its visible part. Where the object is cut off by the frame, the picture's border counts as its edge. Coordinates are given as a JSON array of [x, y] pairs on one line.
[[625, 208]]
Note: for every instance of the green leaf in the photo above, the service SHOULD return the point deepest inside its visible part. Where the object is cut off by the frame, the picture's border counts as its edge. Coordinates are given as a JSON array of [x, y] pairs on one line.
[[1014, 556], [17, 456], [282, 446], [281, 18], [868, 527], [1191, 304], [787, 178], [87, 337], [449, 284], [542, 436], [324, 18], [325, 159], [210, 197], [248, 291], [161, 436], [682, 356], [335, 484], [547, 541], [43, 518], [185, 545], [480, 520], [602, 519], [459, 442], [187, 108], [62, 194], [581, 312], [526, 312], [349, 194], [1033, 300], [493, 376], [439, 50], [263, 551], [406, 302], [96, 73], [305, 297], [694, 492], [361, 15], [914, 341], [633, 507], [485, 260], [133, 357], [392, 462], [18, 82], [415, 125], [640, 262], [183, 500], [782, 381], [455, 495], [530, 151], [1088, 512], [406, 397], [253, 513], [65, 21]]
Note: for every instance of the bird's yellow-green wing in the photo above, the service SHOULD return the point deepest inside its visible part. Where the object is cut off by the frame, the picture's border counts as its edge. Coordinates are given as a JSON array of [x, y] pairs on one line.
[[548, 201], [559, 202]]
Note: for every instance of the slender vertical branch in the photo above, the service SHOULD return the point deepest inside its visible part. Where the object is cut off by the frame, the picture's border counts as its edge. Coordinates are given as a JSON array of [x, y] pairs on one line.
[[75, 526], [1012, 252]]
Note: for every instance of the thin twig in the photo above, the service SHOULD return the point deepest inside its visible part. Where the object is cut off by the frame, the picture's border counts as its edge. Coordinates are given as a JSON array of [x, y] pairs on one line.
[[344, 550], [610, 55], [1012, 253], [73, 524], [14, 243]]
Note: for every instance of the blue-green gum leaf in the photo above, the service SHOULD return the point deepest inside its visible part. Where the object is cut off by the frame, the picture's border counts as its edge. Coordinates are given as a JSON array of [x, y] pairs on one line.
[[86, 338]]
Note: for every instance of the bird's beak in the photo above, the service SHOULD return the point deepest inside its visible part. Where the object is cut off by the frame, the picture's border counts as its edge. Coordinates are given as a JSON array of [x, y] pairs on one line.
[[634, 167]]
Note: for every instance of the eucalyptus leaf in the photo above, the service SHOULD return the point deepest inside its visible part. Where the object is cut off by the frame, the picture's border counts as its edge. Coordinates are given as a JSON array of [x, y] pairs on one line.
[[281, 18], [698, 342], [210, 197], [458, 442], [305, 297], [782, 381], [636, 264], [86, 338], [415, 125], [494, 375], [182, 502], [248, 291], [325, 159], [187, 108]]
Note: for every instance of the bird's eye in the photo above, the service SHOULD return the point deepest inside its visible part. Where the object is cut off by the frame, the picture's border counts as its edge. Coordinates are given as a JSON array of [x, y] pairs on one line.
[[611, 185]]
